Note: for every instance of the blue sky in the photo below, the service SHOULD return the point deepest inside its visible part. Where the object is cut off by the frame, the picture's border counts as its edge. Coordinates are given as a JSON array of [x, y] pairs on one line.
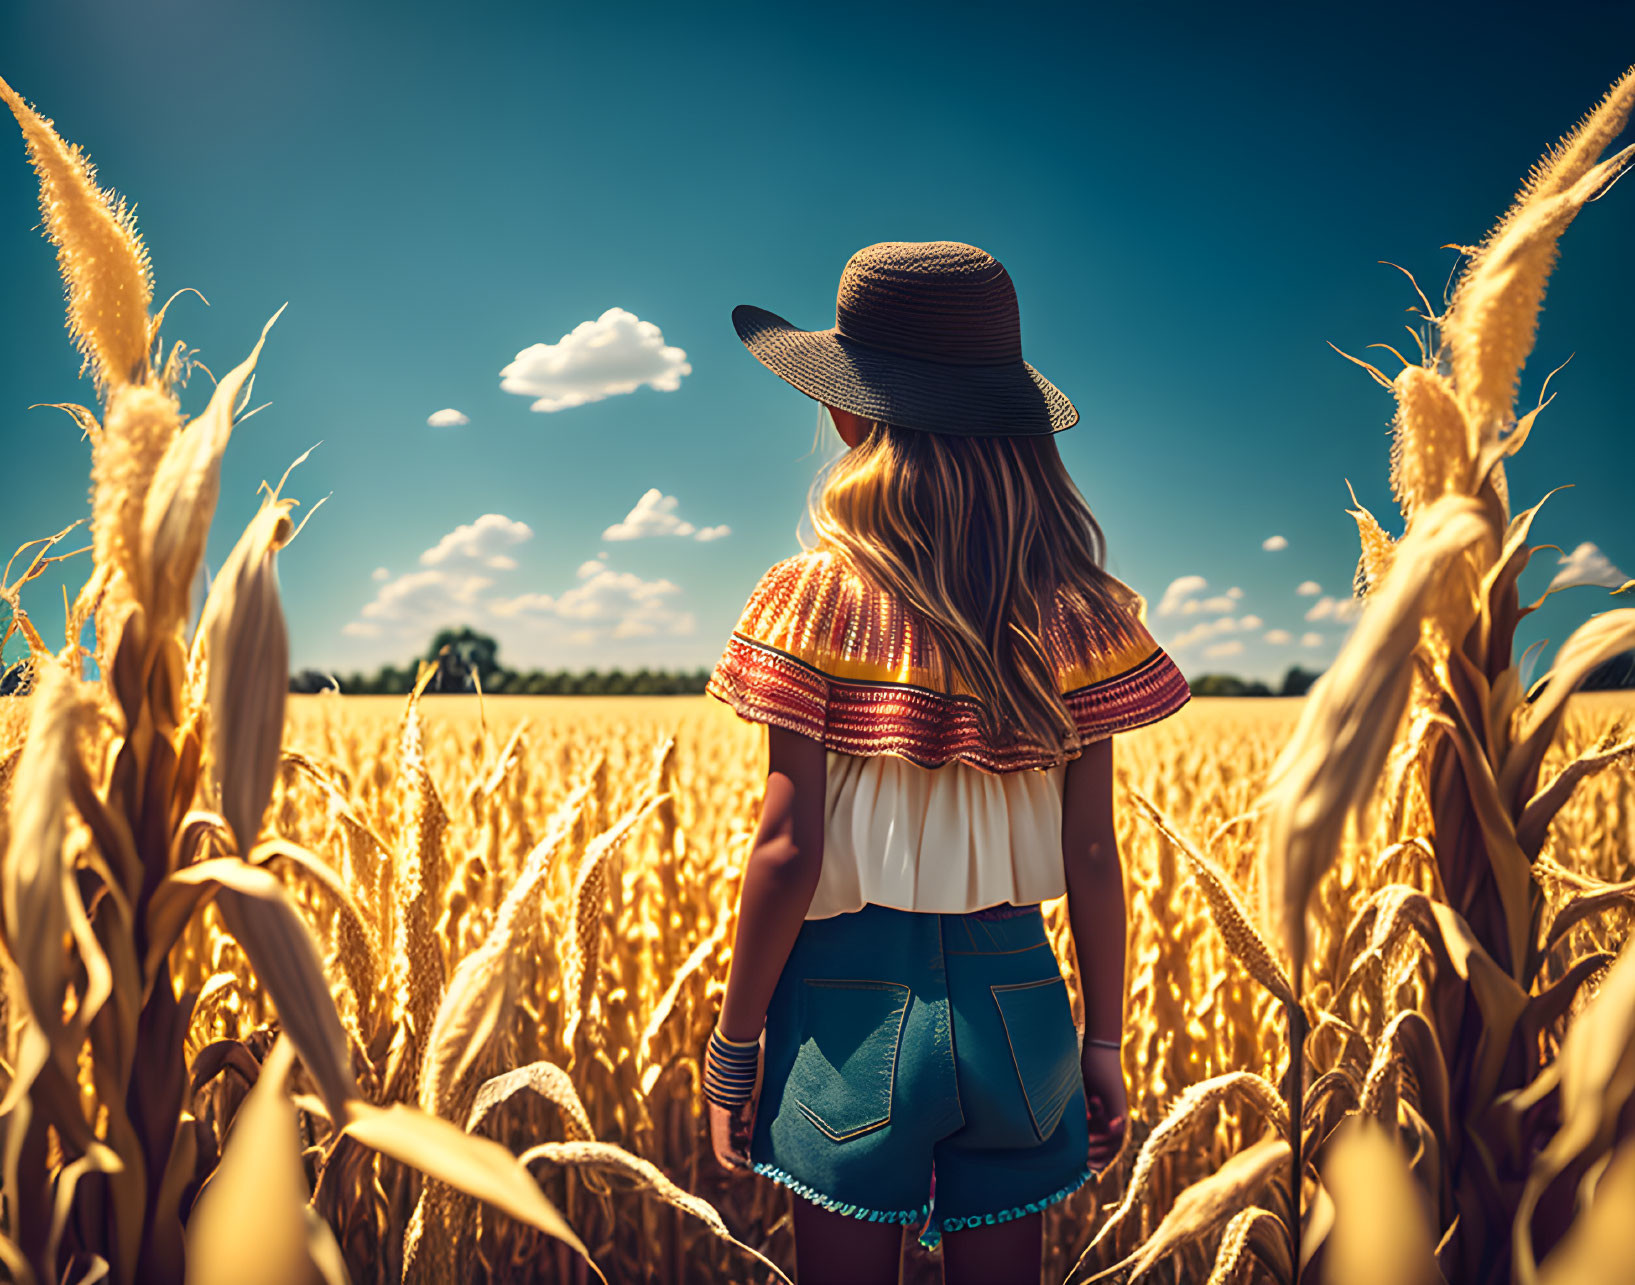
[[1191, 200]]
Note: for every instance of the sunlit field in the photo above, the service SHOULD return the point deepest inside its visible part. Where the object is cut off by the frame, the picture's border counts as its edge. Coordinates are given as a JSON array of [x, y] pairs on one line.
[[659, 941], [1192, 1014]]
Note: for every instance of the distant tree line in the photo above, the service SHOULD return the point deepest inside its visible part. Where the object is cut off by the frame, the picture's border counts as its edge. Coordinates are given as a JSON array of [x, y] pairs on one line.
[[1615, 674], [465, 657], [1297, 682], [462, 653]]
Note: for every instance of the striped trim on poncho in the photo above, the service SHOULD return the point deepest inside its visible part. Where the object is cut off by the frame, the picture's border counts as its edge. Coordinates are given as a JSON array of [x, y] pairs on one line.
[[819, 651]]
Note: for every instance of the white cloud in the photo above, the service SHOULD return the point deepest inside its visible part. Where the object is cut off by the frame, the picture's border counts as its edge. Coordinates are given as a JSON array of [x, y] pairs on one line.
[[455, 585], [1180, 598], [1587, 565], [1180, 589], [1206, 629], [1311, 640], [1309, 589], [1327, 608], [478, 544], [1278, 636], [380, 573], [1200, 631], [619, 603], [424, 593], [1274, 543], [1230, 648], [655, 514], [616, 353], [447, 418]]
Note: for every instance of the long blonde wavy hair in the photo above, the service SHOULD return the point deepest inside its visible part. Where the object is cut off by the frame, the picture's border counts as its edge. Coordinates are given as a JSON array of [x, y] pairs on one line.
[[980, 536]]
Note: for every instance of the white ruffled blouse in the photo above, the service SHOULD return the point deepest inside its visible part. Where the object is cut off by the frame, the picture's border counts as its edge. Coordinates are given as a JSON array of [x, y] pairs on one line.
[[952, 838]]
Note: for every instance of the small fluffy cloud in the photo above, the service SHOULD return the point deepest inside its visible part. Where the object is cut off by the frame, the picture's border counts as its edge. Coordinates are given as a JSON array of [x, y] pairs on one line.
[[454, 586], [380, 573], [618, 602], [447, 418], [1206, 629], [1180, 598], [478, 544], [1587, 565], [1278, 636], [655, 514], [1202, 630], [616, 353], [1327, 608], [1311, 640], [1232, 647], [431, 596], [1309, 589], [1180, 589], [1274, 543]]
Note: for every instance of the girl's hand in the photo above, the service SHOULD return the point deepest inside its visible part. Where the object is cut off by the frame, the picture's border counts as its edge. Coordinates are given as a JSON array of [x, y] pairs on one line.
[[1105, 1100], [730, 1131]]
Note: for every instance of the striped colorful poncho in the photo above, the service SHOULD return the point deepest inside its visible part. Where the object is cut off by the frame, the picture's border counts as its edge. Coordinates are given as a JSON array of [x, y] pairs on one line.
[[820, 651]]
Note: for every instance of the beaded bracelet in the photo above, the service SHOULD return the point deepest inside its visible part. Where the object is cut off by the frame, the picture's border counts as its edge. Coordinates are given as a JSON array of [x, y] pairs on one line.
[[729, 1070]]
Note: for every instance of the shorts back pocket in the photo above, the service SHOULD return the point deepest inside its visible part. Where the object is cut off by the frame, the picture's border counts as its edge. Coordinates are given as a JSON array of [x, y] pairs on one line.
[[1038, 1018], [846, 1066]]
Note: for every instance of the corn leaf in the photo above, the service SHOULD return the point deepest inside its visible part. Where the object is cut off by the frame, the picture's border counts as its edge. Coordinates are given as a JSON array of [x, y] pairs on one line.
[[1205, 1205], [1350, 717], [477, 1166], [1381, 1235], [1254, 1234], [545, 1079], [646, 1177], [1543, 806], [1595, 1071], [285, 958], [246, 645], [1597, 639], [249, 1227], [181, 501], [1600, 1249]]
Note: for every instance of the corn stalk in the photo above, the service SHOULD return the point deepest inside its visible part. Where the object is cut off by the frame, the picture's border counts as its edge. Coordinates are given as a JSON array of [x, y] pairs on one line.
[[1427, 692], [114, 847]]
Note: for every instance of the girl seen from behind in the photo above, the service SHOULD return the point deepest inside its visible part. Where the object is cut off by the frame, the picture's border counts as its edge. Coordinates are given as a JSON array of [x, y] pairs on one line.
[[940, 676]]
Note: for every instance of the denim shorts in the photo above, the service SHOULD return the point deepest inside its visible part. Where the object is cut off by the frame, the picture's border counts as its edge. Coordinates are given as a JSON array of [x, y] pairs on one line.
[[923, 1068]]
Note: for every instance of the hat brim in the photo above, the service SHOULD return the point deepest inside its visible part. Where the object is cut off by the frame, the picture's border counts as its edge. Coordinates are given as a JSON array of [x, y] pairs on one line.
[[1012, 400]]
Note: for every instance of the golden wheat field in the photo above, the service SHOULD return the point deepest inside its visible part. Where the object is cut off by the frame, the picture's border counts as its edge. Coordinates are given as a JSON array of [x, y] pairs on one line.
[[372, 990], [496, 771], [1193, 1014]]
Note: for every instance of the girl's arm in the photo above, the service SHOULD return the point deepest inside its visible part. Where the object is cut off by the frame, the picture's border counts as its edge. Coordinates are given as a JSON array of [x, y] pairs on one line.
[[779, 880], [1095, 888], [1095, 909]]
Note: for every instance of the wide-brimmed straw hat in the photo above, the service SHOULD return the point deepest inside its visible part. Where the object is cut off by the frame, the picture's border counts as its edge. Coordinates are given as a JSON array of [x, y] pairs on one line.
[[927, 336]]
